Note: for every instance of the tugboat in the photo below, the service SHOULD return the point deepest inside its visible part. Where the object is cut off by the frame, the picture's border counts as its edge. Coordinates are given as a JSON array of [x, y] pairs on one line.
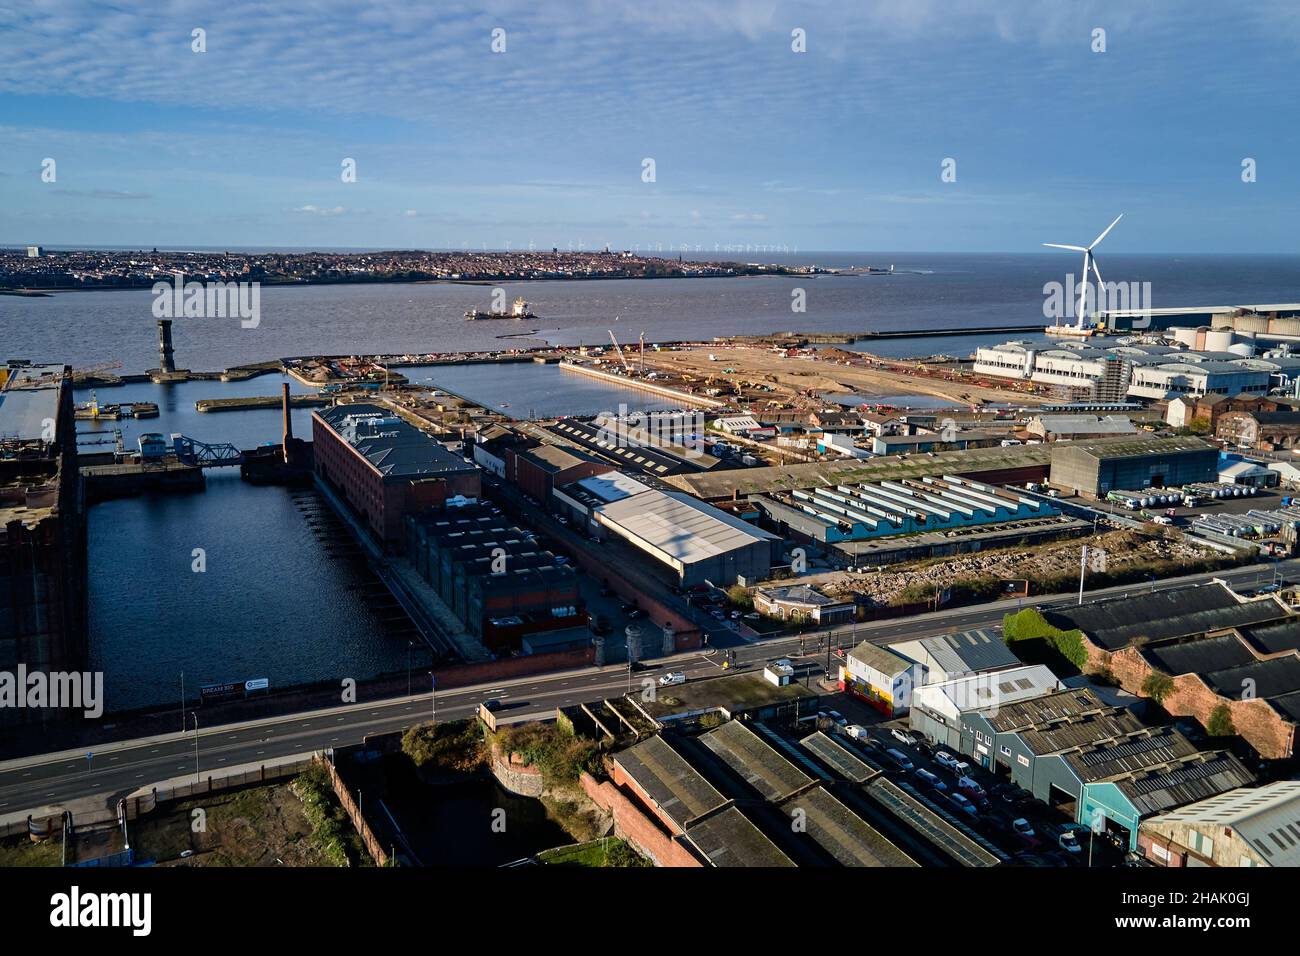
[[518, 311]]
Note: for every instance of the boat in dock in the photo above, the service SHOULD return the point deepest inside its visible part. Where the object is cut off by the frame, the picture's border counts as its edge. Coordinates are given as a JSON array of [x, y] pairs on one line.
[[93, 411]]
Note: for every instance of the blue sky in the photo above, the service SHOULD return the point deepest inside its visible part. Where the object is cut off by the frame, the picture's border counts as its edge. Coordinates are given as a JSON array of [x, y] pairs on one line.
[[836, 148]]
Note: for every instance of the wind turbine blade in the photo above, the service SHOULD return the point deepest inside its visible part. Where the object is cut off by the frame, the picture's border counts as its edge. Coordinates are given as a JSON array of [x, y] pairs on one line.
[[1105, 231], [1057, 245]]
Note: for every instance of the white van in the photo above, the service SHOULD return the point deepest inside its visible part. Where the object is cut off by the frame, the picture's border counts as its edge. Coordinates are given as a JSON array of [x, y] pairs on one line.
[[673, 677]]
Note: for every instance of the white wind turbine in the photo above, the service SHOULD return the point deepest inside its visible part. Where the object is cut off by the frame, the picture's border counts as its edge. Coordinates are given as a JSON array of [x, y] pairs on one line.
[[1089, 264]]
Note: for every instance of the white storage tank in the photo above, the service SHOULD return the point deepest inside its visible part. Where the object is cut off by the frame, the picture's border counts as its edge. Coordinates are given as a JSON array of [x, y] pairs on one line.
[[1219, 340], [1184, 336], [1244, 349]]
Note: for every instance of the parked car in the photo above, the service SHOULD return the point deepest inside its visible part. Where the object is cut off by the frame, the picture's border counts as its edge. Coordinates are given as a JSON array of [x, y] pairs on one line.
[[839, 719], [735, 615], [899, 758], [902, 736], [931, 780], [672, 677], [962, 768], [856, 731], [971, 788], [1022, 827], [962, 804], [1068, 841], [945, 759], [1014, 797]]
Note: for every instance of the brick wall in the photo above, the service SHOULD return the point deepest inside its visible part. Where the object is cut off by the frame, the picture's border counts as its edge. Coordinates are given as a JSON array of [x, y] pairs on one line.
[[462, 675], [1261, 726], [635, 827]]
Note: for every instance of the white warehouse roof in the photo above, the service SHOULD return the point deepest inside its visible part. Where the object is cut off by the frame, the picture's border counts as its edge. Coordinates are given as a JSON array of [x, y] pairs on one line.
[[683, 528]]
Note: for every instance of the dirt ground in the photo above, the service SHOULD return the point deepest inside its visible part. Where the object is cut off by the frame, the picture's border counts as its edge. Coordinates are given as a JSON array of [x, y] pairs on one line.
[[262, 826], [826, 375], [1124, 551]]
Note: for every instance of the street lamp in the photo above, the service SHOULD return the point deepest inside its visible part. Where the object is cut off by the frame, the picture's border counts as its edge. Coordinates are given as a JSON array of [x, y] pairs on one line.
[[196, 745]]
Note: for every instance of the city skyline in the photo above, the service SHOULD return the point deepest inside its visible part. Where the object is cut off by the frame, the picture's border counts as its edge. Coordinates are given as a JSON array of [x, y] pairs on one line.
[[840, 148]]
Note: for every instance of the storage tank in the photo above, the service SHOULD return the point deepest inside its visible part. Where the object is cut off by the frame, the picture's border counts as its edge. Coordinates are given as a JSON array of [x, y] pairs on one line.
[[1219, 340], [1184, 335], [1244, 349]]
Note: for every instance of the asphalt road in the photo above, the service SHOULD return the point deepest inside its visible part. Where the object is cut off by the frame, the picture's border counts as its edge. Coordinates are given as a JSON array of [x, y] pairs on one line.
[[116, 769]]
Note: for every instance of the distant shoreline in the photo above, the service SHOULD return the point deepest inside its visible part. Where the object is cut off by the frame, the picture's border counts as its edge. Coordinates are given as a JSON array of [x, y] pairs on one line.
[[39, 291]]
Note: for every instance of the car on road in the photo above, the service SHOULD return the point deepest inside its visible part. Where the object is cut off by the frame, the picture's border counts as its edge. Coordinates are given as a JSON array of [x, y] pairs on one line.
[[902, 736], [962, 804], [899, 758], [946, 760], [931, 780], [672, 677], [492, 705], [752, 616], [635, 613]]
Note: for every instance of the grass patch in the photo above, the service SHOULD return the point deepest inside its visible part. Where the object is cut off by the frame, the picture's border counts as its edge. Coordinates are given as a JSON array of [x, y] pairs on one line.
[[606, 852], [555, 751], [458, 745], [21, 851]]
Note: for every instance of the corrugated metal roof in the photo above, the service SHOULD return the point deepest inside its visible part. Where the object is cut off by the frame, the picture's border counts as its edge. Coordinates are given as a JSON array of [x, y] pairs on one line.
[[880, 658], [675, 786], [976, 650], [1192, 778], [681, 527], [729, 838], [1267, 818], [1198, 656], [766, 770], [1113, 623]]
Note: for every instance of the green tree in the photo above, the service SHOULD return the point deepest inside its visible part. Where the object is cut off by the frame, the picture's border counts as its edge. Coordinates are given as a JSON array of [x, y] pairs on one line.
[[1220, 722], [1158, 685], [740, 597]]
